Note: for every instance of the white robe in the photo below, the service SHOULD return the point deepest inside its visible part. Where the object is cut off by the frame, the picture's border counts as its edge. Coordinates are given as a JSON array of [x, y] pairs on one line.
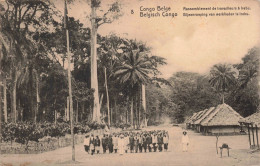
[[121, 144], [185, 142]]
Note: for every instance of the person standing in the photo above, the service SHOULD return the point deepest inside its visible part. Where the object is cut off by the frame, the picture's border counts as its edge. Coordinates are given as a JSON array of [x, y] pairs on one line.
[[104, 143], [136, 142], [121, 144], [154, 140], [110, 143], [144, 137], [115, 142], [185, 141], [97, 144], [126, 145], [140, 143], [149, 142], [92, 144], [131, 142], [160, 142], [86, 143], [165, 141]]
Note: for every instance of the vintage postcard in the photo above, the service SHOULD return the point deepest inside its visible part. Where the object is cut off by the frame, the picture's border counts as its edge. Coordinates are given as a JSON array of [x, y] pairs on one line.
[[139, 82]]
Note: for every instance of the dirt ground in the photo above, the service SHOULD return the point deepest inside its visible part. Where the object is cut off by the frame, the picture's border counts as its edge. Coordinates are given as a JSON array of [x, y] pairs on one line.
[[202, 152]]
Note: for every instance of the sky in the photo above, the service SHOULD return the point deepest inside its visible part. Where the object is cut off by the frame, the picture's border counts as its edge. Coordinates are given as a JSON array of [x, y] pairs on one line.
[[192, 44]]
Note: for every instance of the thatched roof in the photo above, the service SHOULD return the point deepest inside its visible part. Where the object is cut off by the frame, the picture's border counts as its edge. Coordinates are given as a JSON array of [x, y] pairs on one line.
[[254, 119], [197, 116], [204, 115], [222, 115], [189, 120]]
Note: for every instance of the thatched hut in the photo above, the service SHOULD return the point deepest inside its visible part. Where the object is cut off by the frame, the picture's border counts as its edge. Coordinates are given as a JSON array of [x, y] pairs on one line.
[[196, 117], [252, 123], [189, 120], [198, 122], [223, 120]]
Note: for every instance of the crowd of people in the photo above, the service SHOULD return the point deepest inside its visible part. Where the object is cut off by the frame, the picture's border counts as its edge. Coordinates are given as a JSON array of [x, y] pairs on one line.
[[127, 142]]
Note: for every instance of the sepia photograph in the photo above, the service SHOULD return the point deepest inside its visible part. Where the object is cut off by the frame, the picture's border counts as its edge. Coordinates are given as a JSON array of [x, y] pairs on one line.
[[129, 82]]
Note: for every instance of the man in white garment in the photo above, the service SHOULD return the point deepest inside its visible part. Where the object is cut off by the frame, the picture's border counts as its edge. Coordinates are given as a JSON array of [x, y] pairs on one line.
[[185, 141], [121, 144]]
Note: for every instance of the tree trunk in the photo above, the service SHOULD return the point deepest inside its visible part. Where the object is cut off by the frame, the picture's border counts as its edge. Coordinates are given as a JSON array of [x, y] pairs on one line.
[[55, 117], [136, 110], [144, 104], [108, 109], [111, 115], [132, 111], [115, 110], [13, 97], [68, 110], [94, 79], [82, 108], [77, 112], [0, 114], [70, 98], [5, 101], [37, 98], [223, 97]]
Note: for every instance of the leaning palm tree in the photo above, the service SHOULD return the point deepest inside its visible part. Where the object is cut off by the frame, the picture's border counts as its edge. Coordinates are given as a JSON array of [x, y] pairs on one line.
[[222, 77], [133, 71]]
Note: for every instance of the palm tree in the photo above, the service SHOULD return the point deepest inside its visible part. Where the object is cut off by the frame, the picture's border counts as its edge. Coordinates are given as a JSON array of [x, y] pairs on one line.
[[222, 77], [133, 71]]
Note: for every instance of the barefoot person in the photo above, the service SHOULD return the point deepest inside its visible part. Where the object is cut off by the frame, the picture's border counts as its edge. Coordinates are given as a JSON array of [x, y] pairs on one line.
[[185, 141]]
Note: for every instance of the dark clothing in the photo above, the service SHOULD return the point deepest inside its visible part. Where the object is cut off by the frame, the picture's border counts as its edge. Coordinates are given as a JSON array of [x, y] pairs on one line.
[[166, 146], [110, 144], [160, 142], [131, 142], [149, 142], [104, 144], [154, 147], [144, 143], [136, 142], [97, 142], [86, 148]]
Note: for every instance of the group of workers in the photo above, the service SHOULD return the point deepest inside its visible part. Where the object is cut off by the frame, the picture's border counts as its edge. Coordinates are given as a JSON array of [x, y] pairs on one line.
[[125, 142]]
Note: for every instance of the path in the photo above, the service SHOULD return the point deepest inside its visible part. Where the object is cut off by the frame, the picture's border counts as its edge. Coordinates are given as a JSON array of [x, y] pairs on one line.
[[201, 152]]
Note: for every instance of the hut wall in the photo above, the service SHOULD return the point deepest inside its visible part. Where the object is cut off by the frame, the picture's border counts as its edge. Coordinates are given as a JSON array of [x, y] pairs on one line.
[[224, 129]]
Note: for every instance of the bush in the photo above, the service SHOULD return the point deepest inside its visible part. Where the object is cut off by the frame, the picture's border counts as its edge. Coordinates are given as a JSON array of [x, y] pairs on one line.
[[23, 132]]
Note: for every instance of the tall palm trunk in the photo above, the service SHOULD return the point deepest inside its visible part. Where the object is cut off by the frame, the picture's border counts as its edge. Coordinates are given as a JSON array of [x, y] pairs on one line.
[[77, 112], [0, 114], [37, 98], [13, 96], [5, 100], [144, 104], [136, 110], [132, 111], [94, 79], [115, 110], [108, 109]]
